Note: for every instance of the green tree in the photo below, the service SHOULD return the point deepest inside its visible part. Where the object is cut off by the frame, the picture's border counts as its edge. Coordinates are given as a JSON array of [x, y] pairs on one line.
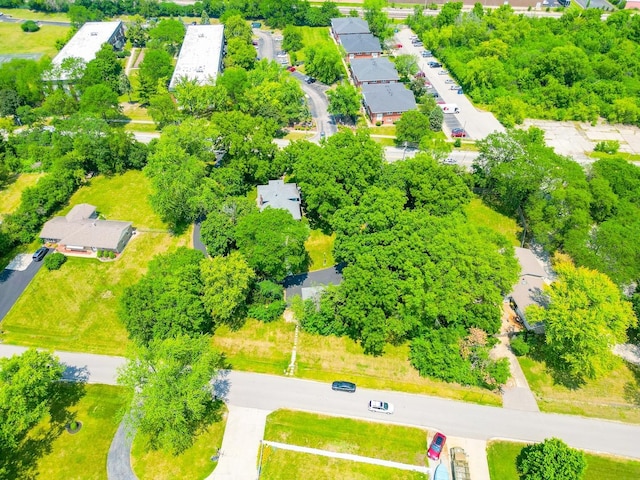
[[167, 34], [218, 229], [412, 126], [26, 393], [29, 26], [377, 19], [436, 118], [227, 283], [448, 14], [292, 41], [162, 108], [155, 66], [104, 68], [100, 100], [273, 243], [237, 27], [551, 460], [174, 395], [239, 54], [204, 18], [324, 63], [406, 65], [344, 101], [124, 85], [584, 317], [137, 33]]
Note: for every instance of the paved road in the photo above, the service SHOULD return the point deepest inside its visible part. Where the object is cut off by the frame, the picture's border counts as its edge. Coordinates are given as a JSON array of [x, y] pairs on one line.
[[13, 283], [294, 283], [269, 392]]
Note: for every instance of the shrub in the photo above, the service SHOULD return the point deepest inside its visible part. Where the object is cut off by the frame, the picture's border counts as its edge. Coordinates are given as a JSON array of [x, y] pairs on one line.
[[112, 255], [378, 123], [519, 346], [551, 460], [457, 143], [30, 26], [269, 312], [607, 146], [54, 261], [99, 253]]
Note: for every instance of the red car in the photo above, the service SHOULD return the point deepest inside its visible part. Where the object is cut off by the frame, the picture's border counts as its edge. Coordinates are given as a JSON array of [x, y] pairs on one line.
[[291, 68], [458, 133], [398, 45], [437, 444]]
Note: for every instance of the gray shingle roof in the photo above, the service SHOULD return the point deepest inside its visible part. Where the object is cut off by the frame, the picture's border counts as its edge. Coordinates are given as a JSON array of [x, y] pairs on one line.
[[349, 25], [388, 97], [82, 211], [529, 264], [278, 194], [360, 43], [373, 70]]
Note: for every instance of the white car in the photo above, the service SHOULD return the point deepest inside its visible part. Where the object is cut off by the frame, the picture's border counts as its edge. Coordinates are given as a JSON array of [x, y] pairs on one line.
[[380, 406]]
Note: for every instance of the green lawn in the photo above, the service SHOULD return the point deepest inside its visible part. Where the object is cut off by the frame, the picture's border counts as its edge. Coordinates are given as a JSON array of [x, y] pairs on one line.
[[384, 141], [14, 40], [10, 196], [629, 157], [614, 397], [502, 464], [319, 247], [345, 435], [25, 14], [194, 463], [313, 36], [481, 215], [75, 308], [383, 130], [284, 465], [52, 453]]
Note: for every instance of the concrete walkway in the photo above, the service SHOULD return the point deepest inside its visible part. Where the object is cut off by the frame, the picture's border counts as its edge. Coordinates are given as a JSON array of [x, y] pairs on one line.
[[241, 444], [119, 457], [348, 456]]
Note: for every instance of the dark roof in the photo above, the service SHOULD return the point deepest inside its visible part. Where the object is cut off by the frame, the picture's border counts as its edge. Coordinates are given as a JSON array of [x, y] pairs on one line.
[[373, 69], [361, 43], [349, 25], [388, 97]]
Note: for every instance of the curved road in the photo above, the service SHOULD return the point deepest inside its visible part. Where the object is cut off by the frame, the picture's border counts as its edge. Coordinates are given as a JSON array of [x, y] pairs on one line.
[[269, 392]]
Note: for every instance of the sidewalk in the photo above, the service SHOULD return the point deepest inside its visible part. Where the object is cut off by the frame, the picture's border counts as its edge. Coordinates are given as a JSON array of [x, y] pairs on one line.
[[240, 444], [348, 456]]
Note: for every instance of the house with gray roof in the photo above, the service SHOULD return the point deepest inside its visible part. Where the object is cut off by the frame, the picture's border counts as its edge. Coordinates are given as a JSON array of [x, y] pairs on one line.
[[529, 289], [361, 45], [373, 70], [386, 102], [80, 230], [278, 194], [348, 26]]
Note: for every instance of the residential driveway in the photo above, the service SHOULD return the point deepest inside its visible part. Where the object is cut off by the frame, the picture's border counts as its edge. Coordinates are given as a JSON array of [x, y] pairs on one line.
[[197, 239], [318, 102], [293, 284], [14, 279]]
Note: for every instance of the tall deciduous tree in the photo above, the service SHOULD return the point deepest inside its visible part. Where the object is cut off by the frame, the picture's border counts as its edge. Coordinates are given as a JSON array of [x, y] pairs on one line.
[[412, 126], [167, 34], [585, 316], [344, 101], [100, 100], [174, 396], [155, 66], [324, 63], [551, 460]]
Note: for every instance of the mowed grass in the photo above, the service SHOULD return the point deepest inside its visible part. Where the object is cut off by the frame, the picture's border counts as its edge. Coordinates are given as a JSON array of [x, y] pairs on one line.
[[54, 454], [613, 397], [280, 464], [121, 197], [14, 40], [25, 14], [194, 463], [11, 195], [320, 249], [502, 464], [345, 435], [481, 215], [313, 36]]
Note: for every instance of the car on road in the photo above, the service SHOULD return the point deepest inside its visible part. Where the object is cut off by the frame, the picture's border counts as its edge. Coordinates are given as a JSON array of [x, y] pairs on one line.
[[449, 81], [454, 87], [309, 79], [443, 72], [380, 407], [434, 64], [40, 254], [418, 44], [291, 68], [426, 54], [397, 45], [437, 444], [254, 43], [343, 386], [458, 133]]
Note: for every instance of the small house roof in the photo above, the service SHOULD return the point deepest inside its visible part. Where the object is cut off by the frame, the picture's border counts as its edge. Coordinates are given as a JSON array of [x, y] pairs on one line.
[[529, 264], [373, 69], [361, 43], [82, 211], [278, 194], [388, 97], [349, 26]]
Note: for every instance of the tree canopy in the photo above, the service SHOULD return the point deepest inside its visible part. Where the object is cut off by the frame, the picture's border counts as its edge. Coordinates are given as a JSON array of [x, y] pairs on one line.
[[551, 460]]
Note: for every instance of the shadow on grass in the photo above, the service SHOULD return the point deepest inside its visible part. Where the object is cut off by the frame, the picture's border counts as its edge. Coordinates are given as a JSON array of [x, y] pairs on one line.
[[554, 365], [22, 462]]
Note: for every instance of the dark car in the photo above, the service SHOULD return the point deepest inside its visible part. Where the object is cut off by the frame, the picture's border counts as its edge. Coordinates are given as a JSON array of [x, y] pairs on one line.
[[309, 79], [342, 386], [434, 64], [458, 133], [437, 444], [40, 254]]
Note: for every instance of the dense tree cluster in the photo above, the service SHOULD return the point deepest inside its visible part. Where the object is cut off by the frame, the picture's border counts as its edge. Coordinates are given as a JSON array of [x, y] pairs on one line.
[[577, 67]]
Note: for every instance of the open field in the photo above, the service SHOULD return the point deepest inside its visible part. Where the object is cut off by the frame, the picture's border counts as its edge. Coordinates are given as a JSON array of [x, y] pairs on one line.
[[52, 453], [194, 463], [312, 36], [502, 464], [345, 435], [266, 348], [319, 247], [285, 465], [75, 308], [613, 397], [481, 215], [14, 40], [26, 14], [11, 195]]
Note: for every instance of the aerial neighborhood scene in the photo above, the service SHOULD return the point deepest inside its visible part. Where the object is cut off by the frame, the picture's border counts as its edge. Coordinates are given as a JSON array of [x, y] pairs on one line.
[[295, 239]]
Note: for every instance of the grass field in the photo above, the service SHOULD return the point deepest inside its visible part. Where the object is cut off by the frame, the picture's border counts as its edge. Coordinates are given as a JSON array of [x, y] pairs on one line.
[[319, 247], [614, 397], [14, 40], [383, 130], [345, 435], [52, 453], [502, 464], [194, 463], [285, 465], [75, 308], [629, 157], [10, 196], [384, 141], [481, 215], [25, 14], [312, 36], [266, 348]]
